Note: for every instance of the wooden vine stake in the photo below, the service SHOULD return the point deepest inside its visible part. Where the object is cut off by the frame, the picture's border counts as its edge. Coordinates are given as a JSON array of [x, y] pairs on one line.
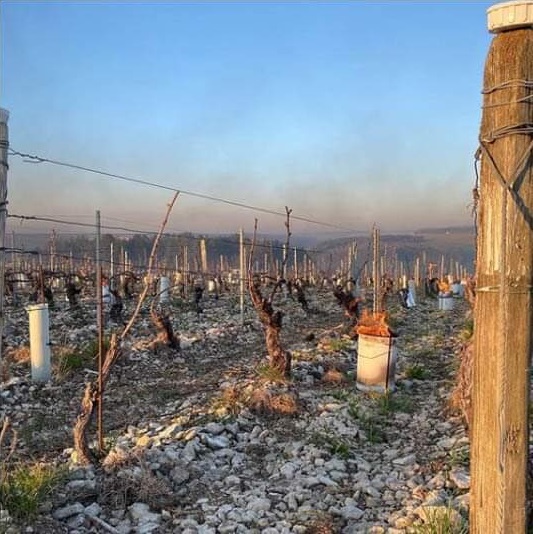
[[504, 273], [94, 390]]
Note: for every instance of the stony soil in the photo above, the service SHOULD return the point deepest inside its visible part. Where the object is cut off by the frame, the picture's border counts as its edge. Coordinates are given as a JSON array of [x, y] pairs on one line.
[[204, 440]]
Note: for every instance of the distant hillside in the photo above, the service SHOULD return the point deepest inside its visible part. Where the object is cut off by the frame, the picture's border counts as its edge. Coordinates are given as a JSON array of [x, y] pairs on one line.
[[329, 255], [455, 244]]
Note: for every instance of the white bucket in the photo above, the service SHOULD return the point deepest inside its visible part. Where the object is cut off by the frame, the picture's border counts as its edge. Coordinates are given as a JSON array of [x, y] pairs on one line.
[[164, 289], [376, 363], [445, 301], [457, 289], [411, 294], [39, 342], [211, 286]]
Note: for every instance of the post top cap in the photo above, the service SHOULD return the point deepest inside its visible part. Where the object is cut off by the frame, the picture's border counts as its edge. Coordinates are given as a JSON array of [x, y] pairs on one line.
[[510, 16]]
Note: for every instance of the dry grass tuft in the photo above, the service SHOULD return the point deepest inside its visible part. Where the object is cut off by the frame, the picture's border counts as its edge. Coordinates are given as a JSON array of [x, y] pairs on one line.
[[265, 402], [231, 401], [117, 458], [461, 397], [13, 356], [18, 355], [122, 488], [334, 376], [322, 525]]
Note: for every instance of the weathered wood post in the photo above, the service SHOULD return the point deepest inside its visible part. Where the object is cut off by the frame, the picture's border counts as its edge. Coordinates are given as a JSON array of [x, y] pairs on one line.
[[242, 266], [376, 273], [4, 145], [504, 272]]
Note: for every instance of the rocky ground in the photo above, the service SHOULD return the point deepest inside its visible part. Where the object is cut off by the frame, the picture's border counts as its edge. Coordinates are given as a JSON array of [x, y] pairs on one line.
[[205, 441]]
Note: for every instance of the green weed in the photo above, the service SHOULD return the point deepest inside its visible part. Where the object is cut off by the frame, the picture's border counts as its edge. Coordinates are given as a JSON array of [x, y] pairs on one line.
[[24, 488], [416, 372], [460, 457], [334, 444], [269, 373], [373, 429], [387, 403]]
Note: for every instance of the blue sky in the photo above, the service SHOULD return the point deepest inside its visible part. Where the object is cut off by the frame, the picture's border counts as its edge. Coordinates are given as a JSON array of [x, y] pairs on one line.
[[351, 113]]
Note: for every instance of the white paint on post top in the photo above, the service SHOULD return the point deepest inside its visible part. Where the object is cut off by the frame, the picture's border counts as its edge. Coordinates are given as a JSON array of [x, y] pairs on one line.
[[510, 16]]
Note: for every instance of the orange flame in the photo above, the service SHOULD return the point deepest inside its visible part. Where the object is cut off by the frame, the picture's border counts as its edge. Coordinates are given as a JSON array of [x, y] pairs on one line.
[[373, 324], [444, 287]]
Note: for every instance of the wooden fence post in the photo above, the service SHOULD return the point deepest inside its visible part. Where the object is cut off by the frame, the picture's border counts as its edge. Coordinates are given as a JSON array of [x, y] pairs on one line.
[[4, 145], [504, 277]]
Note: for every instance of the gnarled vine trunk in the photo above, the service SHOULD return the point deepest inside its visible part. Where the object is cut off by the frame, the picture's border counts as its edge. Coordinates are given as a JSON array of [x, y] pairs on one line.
[[279, 358]]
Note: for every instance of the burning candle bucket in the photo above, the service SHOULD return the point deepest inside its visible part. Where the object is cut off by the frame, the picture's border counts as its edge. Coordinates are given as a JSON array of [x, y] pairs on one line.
[[376, 363]]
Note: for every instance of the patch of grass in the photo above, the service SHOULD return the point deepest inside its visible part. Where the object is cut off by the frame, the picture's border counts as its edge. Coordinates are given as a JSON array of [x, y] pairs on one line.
[[442, 520], [70, 359], [341, 395], [269, 373], [460, 457], [67, 360], [353, 407], [416, 371], [25, 487], [387, 403], [334, 444], [373, 429], [89, 351]]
